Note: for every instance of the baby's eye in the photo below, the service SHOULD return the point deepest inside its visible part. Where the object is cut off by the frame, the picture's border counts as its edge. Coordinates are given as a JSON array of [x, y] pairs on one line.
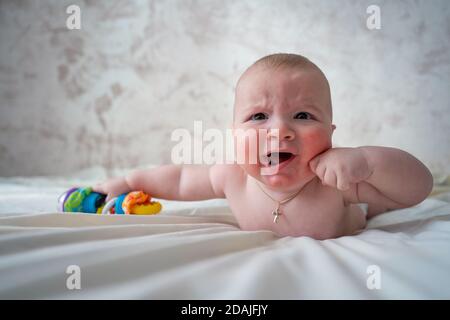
[[303, 116], [258, 116]]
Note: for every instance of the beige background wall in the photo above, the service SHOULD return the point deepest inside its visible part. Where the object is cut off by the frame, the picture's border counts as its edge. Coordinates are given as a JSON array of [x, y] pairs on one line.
[[111, 93]]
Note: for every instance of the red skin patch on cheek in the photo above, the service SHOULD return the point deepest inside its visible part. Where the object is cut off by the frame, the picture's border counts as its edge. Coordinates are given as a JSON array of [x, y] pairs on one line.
[[249, 156], [314, 142], [247, 149]]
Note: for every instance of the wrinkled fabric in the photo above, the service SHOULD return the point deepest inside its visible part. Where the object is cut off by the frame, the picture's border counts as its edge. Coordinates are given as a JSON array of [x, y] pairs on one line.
[[198, 252]]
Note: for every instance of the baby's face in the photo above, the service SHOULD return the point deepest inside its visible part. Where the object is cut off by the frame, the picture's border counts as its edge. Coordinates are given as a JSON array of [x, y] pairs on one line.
[[297, 103]]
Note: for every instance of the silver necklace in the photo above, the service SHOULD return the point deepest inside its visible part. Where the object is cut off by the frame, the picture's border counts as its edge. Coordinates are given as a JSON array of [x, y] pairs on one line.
[[277, 212]]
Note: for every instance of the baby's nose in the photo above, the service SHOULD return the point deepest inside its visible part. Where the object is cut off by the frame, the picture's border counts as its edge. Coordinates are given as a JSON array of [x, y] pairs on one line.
[[283, 132], [287, 135]]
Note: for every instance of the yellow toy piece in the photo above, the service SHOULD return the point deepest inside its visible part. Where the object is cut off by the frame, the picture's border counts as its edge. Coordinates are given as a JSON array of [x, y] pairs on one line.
[[152, 208]]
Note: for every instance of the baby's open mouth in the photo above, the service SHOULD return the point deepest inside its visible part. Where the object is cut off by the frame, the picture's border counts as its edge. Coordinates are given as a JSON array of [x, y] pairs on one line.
[[275, 158]]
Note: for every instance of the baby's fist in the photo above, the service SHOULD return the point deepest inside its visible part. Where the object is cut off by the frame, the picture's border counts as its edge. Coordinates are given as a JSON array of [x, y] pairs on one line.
[[340, 167]]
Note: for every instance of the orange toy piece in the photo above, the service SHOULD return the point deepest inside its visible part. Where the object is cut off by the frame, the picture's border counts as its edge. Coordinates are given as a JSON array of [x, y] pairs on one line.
[[138, 202]]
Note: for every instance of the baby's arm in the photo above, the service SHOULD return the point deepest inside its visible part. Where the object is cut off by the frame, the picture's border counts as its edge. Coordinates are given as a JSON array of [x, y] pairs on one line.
[[170, 182], [398, 179], [385, 178]]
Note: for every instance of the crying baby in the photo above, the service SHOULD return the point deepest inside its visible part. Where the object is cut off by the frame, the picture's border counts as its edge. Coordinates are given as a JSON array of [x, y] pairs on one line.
[[300, 185]]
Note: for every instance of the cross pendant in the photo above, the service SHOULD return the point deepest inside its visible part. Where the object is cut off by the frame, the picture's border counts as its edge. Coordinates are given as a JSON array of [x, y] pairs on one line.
[[276, 214]]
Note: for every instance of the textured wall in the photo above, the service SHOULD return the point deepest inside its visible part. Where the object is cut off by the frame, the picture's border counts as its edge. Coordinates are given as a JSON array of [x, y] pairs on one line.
[[111, 93]]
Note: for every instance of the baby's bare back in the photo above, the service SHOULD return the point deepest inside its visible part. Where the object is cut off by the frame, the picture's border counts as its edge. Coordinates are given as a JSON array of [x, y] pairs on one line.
[[317, 211]]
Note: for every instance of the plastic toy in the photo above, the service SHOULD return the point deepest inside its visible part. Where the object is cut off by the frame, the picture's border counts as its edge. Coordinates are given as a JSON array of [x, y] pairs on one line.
[[85, 200]]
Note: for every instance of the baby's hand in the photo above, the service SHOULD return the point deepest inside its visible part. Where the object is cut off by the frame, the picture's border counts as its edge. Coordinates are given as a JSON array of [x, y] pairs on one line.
[[112, 187], [340, 167]]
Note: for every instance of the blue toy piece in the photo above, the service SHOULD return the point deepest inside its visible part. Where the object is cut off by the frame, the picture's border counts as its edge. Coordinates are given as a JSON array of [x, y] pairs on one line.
[[93, 202], [81, 200], [118, 204]]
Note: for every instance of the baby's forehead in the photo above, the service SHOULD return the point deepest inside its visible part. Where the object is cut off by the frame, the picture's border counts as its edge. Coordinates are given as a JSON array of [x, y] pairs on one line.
[[288, 82], [269, 87]]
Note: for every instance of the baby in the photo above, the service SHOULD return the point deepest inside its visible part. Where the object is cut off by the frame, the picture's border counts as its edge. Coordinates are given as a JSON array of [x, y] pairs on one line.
[[299, 185]]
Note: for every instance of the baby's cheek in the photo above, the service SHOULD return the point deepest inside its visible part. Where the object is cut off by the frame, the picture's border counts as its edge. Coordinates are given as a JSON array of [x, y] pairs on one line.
[[314, 142], [247, 149]]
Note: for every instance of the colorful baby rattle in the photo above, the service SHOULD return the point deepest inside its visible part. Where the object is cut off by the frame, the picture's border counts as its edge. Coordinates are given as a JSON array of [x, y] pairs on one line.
[[85, 200]]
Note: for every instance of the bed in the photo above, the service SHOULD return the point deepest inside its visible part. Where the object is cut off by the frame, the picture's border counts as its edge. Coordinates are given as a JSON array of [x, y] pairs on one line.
[[195, 250]]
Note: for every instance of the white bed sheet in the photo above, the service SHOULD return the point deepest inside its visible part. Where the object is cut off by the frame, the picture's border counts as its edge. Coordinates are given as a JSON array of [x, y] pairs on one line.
[[194, 250]]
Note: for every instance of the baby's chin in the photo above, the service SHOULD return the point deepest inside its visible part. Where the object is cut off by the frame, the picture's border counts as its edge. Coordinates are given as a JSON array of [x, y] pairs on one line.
[[283, 180], [286, 182]]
